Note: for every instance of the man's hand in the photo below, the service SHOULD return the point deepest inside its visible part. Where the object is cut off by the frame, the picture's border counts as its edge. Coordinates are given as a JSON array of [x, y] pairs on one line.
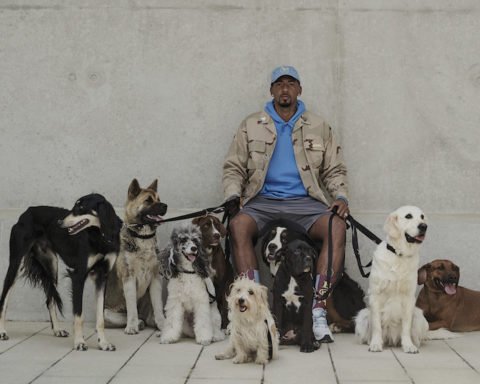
[[232, 206], [341, 207]]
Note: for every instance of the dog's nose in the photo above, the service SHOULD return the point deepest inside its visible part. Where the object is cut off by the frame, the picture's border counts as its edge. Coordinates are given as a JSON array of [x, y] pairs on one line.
[[241, 301], [60, 222], [422, 227], [216, 236], [272, 247], [193, 249]]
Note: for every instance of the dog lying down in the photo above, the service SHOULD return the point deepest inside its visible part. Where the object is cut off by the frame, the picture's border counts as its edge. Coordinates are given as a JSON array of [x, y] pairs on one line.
[[445, 303], [391, 317], [253, 334]]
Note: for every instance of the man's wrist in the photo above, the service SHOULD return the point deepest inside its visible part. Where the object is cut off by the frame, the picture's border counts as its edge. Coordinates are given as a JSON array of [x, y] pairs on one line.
[[343, 198]]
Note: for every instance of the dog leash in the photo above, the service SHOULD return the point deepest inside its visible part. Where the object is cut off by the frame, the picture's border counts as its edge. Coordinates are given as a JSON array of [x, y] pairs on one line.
[[355, 225], [270, 341], [203, 212]]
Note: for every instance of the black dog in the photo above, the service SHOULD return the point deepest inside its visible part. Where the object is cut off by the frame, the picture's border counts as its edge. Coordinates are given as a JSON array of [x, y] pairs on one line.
[[293, 293], [85, 238]]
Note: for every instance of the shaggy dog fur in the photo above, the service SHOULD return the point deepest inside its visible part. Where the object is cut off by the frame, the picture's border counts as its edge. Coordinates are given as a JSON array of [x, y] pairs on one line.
[[221, 270], [253, 335], [135, 279], [85, 238], [445, 303], [391, 317], [186, 266]]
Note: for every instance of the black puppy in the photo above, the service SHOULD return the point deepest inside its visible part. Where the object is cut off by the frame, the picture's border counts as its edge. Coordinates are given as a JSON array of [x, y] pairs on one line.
[[86, 238], [293, 293]]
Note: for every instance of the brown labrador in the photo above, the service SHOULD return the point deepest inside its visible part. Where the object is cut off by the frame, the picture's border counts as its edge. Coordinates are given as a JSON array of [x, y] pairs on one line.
[[445, 304]]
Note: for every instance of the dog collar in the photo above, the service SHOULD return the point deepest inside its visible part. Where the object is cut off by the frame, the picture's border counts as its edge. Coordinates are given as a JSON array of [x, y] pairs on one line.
[[139, 236], [181, 270]]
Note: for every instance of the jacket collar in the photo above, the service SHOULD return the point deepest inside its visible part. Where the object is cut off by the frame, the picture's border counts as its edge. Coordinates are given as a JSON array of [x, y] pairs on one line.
[[266, 120]]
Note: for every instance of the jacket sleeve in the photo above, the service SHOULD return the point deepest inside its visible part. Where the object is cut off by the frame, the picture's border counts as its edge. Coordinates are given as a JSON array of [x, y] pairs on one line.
[[235, 166], [334, 171]]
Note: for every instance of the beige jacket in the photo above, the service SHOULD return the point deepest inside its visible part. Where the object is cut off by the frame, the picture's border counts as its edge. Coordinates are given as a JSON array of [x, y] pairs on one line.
[[318, 156]]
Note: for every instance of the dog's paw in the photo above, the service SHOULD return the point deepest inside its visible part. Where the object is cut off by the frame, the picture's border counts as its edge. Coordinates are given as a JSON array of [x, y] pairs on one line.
[[106, 346], [158, 333], [375, 347], [307, 347], [204, 342], [239, 360], [261, 360], [410, 348], [80, 346], [221, 356], [131, 330], [60, 333], [334, 328], [218, 336], [3, 336], [165, 339]]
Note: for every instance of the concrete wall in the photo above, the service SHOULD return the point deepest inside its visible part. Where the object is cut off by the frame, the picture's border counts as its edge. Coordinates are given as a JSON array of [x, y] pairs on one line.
[[96, 92]]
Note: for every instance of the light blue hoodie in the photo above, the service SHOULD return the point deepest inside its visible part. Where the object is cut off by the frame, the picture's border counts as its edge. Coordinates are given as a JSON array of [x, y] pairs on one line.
[[283, 179]]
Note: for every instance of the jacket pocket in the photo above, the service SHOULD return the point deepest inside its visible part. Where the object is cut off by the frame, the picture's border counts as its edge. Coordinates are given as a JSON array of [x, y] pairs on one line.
[[256, 155], [315, 151]]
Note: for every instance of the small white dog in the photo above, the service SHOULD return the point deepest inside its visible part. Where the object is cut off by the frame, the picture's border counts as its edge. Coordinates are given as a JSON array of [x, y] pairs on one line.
[[253, 335], [391, 317], [186, 267]]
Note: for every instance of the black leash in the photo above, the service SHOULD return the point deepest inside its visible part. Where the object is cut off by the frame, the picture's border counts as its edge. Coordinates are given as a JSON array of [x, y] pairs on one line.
[[270, 341], [357, 226], [203, 212]]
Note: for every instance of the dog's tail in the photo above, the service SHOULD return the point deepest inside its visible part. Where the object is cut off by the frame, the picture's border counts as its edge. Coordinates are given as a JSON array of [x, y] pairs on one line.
[[442, 334], [38, 275]]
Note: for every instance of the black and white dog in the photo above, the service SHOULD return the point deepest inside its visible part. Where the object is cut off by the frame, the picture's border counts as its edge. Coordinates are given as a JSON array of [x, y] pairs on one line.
[[293, 292], [86, 238], [346, 300]]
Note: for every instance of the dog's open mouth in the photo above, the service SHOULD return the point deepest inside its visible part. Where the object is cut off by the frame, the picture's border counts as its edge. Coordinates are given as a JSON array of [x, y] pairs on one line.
[[242, 307], [415, 239], [77, 227], [450, 288], [154, 218], [190, 256]]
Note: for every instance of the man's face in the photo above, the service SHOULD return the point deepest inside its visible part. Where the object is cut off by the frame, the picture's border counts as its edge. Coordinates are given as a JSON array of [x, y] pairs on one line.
[[285, 91]]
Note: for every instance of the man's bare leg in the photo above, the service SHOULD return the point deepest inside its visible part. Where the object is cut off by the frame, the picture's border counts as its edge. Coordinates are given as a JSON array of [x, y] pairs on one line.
[[319, 231], [243, 230]]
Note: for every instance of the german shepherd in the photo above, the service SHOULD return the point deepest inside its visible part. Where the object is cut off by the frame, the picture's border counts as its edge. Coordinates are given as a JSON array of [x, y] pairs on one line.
[[137, 270]]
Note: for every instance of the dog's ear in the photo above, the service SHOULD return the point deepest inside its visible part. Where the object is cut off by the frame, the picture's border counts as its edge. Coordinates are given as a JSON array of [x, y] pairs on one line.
[[196, 220], [109, 221], [220, 227], [391, 226], [153, 185], [133, 189], [263, 294], [422, 273]]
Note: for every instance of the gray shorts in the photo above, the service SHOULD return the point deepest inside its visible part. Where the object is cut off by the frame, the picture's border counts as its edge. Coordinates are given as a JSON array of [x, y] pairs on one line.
[[302, 210]]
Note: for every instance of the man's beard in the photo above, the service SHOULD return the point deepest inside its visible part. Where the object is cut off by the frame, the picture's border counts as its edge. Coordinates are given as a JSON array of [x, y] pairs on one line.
[[285, 104]]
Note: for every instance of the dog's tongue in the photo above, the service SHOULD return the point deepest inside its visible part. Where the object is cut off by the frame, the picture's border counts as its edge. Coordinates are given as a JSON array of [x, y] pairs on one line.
[[420, 238], [156, 218], [450, 289], [191, 257]]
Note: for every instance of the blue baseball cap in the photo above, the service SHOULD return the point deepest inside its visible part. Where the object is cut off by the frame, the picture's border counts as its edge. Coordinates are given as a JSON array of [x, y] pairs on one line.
[[284, 70]]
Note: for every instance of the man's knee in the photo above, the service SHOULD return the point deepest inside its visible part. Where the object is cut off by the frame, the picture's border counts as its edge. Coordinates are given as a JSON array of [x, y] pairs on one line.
[[242, 227]]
